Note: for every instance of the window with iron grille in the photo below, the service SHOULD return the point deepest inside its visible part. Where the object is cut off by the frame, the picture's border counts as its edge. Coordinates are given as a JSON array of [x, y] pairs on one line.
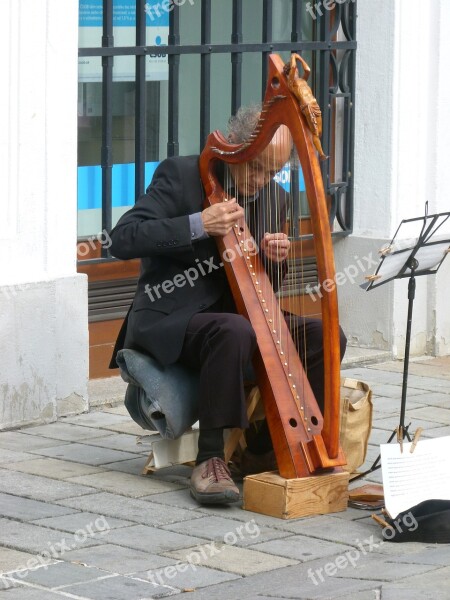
[[155, 77]]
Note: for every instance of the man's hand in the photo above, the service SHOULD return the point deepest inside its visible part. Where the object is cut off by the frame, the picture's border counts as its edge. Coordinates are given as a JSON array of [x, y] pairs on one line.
[[219, 219], [275, 246]]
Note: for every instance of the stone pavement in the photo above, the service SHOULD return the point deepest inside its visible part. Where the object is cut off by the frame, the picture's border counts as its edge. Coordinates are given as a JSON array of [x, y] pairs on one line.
[[79, 521]]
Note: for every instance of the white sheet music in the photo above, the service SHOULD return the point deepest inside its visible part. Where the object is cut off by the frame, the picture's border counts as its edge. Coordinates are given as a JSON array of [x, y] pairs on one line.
[[412, 478], [427, 256], [427, 237]]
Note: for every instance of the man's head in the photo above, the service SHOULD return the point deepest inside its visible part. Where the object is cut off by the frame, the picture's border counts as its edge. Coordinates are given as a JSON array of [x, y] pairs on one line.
[[250, 177]]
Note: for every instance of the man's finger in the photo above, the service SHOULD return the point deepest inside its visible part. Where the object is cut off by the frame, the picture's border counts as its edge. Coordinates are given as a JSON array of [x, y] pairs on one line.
[[275, 236]]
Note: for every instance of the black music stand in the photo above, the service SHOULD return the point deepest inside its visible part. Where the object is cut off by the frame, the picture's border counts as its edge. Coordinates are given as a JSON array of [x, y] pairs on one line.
[[422, 253]]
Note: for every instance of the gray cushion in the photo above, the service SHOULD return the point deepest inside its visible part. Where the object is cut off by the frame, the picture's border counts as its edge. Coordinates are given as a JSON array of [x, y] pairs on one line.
[[163, 399]]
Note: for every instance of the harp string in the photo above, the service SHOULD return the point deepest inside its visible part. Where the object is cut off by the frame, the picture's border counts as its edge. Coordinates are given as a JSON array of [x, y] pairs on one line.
[[261, 218], [300, 284]]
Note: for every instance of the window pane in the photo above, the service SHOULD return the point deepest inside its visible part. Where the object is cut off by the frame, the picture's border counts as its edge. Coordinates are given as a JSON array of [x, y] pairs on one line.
[[90, 23], [190, 23], [309, 25], [252, 11], [123, 148], [282, 21], [251, 78], [89, 146], [220, 91], [221, 21], [189, 103]]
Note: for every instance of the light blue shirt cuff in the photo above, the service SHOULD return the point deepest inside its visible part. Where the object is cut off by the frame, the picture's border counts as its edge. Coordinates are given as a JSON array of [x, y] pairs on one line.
[[197, 230]]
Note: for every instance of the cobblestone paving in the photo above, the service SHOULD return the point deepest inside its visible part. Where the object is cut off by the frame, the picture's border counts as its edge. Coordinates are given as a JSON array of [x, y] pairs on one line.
[[77, 519]]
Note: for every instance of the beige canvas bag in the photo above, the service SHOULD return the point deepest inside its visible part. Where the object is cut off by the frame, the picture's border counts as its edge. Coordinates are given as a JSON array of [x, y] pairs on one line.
[[356, 421]]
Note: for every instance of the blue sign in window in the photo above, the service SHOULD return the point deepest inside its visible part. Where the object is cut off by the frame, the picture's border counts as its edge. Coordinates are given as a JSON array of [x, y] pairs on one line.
[[123, 194], [283, 178], [90, 183]]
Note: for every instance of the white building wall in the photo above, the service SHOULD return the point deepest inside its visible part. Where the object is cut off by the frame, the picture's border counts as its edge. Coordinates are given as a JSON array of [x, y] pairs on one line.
[[440, 312], [402, 139], [43, 301], [414, 152]]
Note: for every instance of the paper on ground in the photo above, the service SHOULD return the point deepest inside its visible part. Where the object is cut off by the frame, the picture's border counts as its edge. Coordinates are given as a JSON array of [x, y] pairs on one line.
[[412, 478]]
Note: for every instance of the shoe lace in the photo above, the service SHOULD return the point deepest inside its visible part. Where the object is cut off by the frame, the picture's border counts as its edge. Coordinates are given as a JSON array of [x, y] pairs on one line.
[[216, 468]]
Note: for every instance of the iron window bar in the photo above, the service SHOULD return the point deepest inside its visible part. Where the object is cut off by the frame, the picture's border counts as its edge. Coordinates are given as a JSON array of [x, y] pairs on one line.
[[140, 101], [236, 57], [106, 149], [216, 48]]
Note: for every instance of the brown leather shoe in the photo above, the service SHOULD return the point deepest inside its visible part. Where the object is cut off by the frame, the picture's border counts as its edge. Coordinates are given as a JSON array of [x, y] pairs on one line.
[[211, 483], [257, 463]]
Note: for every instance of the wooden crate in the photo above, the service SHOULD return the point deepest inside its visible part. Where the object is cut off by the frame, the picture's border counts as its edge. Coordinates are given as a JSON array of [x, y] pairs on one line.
[[270, 494]]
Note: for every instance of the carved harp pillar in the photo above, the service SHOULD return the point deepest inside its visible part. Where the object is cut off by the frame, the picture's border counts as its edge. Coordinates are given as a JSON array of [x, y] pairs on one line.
[[305, 442]]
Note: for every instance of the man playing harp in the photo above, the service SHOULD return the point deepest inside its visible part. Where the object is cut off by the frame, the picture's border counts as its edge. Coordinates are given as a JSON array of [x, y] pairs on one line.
[[183, 310]]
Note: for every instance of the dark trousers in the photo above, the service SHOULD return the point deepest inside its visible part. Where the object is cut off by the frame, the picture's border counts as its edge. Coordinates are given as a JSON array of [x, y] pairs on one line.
[[221, 345], [307, 334]]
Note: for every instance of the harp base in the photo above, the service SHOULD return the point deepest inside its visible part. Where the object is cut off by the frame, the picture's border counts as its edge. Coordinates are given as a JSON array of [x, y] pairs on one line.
[[272, 495]]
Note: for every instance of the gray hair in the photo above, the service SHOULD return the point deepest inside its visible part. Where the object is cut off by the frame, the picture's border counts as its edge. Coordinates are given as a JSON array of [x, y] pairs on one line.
[[243, 123]]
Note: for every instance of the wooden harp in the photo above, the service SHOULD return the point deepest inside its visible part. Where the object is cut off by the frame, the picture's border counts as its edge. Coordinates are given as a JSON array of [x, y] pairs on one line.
[[305, 442]]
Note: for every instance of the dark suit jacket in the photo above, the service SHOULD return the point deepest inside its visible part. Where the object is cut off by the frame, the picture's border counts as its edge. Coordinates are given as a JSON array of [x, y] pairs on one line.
[[179, 277]]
